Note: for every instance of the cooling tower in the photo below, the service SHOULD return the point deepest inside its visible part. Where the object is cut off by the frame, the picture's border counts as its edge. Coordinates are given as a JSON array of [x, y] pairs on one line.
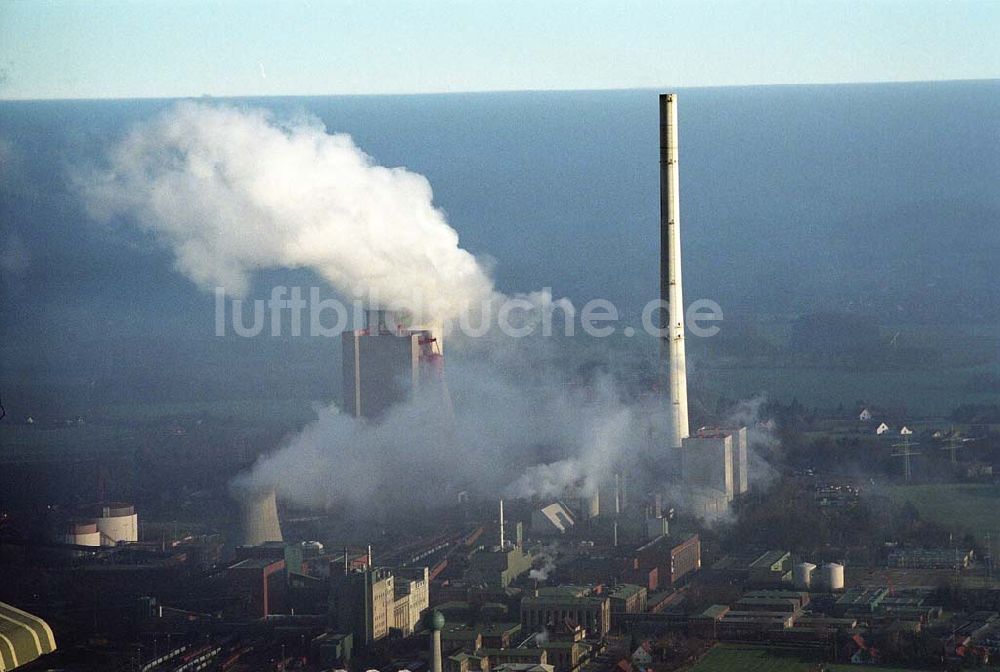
[[259, 517], [673, 369]]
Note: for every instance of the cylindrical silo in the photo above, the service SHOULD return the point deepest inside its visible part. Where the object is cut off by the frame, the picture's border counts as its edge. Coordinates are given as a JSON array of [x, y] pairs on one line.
[[82, 533], [117, 522], [833, 576], [803, 575]]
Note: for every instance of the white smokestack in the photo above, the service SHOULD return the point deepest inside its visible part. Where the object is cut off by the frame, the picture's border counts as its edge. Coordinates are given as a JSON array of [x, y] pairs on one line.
[[501, 525], [673, 369]]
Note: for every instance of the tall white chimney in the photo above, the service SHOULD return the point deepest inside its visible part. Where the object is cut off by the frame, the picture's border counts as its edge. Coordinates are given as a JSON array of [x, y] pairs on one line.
[[501, 525], [673, 370]]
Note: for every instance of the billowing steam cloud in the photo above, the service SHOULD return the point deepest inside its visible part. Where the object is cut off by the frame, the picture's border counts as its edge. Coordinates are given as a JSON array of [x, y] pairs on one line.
[[505, 419], [232, 191], [545, 563]]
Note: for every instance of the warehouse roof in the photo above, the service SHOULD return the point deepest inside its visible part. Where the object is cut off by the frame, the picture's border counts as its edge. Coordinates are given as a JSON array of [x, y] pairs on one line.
[[23, 637]]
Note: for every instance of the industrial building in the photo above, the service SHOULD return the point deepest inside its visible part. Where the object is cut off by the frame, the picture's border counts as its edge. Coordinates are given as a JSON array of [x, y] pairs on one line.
[[930, 558], [501, 565], [555, 605], [371, 602], [707, 462], [715, 460], [662, 562], [82, 533], [117, 523], [760, 568], [741, 460], [257, 587], [626, 599], [554, 518], [384, 363], [361, 603], [411, 598], [111, 524]]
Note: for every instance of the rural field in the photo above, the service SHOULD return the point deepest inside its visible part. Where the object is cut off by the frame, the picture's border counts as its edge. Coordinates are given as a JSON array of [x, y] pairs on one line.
[[750, 658], [964, 507]]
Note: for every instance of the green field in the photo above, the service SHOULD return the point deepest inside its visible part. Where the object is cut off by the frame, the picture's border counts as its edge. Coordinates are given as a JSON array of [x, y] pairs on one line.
[[749, 658], [967, 507]]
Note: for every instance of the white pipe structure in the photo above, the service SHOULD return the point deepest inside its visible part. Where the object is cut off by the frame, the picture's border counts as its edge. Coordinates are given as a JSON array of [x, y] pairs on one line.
[[501, 525], [673, 369]]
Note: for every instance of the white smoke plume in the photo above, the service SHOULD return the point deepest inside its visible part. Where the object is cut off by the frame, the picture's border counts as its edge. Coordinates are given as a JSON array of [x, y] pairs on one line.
[[231, 191], [505, 419], [546, 559], [762, 439]]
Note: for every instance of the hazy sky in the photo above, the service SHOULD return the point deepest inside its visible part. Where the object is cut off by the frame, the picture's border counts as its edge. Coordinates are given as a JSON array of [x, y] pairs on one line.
[[99, 49]]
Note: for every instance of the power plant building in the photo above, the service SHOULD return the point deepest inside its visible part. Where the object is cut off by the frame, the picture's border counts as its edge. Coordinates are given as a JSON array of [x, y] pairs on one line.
[[741, 460], [715, 467], [707, 462], [384, 363]]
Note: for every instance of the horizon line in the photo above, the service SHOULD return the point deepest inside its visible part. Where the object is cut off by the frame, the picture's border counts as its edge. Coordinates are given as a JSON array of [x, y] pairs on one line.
[[501, 91]]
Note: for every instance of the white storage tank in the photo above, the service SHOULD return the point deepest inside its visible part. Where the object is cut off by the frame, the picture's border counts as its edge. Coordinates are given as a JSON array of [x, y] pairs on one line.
[[82, 533], [833, 576], [117, 522], [803, 575]]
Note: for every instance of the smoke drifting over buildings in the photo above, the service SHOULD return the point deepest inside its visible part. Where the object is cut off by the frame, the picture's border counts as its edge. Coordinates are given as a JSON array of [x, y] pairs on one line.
[[232, 191], [516, 429]]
